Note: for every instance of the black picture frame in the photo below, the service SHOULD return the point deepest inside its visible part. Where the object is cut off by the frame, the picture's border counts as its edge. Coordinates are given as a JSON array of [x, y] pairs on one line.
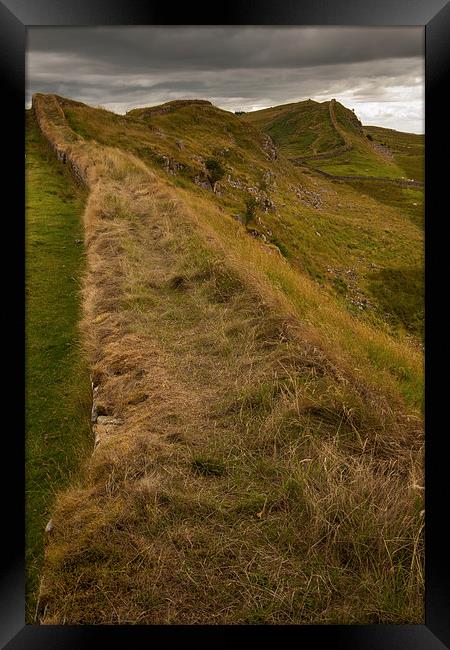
[[434, 15]]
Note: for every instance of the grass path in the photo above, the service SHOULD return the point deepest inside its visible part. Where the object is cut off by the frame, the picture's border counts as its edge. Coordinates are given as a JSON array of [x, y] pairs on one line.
[[57, 381]]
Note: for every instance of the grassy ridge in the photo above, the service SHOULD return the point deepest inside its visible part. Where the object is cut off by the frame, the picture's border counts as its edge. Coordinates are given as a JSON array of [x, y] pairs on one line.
[[265, 465], [322, 231], [57, 380]]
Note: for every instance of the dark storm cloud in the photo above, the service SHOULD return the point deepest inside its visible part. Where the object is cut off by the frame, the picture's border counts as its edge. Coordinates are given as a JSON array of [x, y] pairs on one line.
[[140, 48], [235, 68]]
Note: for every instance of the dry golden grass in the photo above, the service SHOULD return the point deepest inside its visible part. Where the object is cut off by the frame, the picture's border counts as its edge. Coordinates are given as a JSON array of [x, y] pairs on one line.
[[268, 467]]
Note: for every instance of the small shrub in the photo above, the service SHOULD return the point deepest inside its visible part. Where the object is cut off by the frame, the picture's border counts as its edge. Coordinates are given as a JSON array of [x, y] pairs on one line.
[[250, 209], [215, 171]]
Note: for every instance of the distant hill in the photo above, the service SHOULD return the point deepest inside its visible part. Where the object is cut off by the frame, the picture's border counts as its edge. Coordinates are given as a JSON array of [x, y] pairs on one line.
[[329, 136]]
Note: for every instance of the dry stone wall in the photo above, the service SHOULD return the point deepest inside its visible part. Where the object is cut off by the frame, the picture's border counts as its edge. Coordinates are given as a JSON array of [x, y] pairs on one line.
[[54, 127]]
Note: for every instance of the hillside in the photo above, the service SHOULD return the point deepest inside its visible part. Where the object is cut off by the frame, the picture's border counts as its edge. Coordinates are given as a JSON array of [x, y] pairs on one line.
[[300, 129], [330, 137], [258, 431], [407, 149], [338, 236]]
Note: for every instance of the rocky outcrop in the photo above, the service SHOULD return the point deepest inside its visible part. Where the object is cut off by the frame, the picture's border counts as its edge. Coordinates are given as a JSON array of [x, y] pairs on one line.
[[269, 148], [382, 150], [308, 197], [171, 166], [269, 179], [202, 180]]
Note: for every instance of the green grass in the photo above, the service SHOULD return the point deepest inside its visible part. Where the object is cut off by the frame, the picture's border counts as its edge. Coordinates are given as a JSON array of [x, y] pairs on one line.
[[358, 162], [301, 129], [57, 380], [408, 149], [401, 294], [407, 200]]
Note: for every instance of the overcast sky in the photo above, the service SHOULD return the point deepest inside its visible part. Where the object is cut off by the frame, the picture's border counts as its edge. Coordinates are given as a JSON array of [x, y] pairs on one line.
[[377, 71]]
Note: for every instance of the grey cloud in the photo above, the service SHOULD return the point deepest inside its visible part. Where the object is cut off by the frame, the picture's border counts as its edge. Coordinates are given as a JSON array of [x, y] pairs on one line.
[[141, 48], [235, 68]]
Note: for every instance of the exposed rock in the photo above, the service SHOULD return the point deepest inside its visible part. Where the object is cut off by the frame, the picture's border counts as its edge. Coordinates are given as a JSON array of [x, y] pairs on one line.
[[257, 234], [268, 205], [170, 165], [361, 304], [221, 152], [236, 183], [308, 197], [202, 181], [269, 177], [107, 419], [269, 148], [49, 527], [383, 150], [353, 292], [97, 434]]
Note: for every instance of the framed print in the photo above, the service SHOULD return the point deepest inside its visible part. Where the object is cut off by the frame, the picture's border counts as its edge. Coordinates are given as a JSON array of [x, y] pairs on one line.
[[231, 370]]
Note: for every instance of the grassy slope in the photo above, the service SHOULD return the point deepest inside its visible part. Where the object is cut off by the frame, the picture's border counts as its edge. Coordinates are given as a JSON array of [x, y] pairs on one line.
[[350, 232], [305, 129], [57, 381], [271, 474], [407, 148], [301, 129], [363, 159], [397, 286]]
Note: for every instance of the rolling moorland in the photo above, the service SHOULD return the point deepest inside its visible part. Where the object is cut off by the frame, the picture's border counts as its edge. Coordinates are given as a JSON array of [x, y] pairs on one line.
[[251, 304]]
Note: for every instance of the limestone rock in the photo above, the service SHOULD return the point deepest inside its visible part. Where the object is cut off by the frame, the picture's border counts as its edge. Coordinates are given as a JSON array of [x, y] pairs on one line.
[[202, 181]]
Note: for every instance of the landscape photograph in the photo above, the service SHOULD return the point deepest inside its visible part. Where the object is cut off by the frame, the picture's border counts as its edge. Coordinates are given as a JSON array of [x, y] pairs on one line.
[[224, 297]]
